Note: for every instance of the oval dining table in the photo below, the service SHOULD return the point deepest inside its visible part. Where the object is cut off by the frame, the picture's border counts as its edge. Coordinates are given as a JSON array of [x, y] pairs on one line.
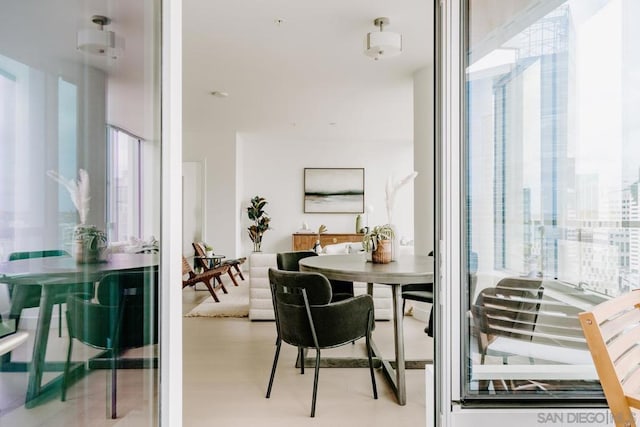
[[406, 269], [54, 275]]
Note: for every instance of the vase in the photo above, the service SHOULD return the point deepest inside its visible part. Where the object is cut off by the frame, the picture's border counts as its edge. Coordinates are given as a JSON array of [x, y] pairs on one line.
[[83, 254], [382, 253], [256, 246], [359, 224]]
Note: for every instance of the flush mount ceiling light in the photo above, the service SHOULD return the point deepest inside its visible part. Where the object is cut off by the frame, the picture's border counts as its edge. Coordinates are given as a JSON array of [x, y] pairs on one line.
[[100, 41], [382, 44]]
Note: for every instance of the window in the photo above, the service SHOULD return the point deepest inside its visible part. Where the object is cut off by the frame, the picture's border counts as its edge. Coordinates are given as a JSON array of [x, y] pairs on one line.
[[7, 147], [124, 174], [553, 170]]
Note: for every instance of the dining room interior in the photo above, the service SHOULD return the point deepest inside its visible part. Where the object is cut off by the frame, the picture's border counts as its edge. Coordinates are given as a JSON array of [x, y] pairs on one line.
[[437, 164]]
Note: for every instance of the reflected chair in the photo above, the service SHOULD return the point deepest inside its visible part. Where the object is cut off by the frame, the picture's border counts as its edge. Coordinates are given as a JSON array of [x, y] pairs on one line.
[[207, 277], [234, 264], [28, 296], [124, 315], [612, 331], [421, 292], [502, 315], [508, 310], [288, 261], [306, 318]]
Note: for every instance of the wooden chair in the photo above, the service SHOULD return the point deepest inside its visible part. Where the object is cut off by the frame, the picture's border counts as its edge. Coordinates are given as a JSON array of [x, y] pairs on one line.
[[612, 331], [235, 264], [207, 277], [198, 247]]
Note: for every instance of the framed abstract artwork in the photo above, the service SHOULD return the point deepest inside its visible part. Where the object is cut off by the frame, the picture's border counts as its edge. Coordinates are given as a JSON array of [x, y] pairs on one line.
[[334, 190]]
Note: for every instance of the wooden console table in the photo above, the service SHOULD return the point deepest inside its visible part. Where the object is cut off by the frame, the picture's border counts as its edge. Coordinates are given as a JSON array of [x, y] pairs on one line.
[[305, 241]]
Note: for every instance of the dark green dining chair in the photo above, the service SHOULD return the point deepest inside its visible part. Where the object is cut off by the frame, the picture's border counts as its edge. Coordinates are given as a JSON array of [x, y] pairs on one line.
[[306, 318], [420, 292], [28, 296], [288, 261], [124, 315]]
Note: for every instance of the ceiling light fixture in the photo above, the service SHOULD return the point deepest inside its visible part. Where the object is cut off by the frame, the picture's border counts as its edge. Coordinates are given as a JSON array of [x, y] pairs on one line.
[[100, 41], [382, 44]]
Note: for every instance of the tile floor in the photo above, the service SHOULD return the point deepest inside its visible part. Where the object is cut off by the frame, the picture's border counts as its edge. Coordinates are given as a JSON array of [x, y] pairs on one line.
[[226, 366]]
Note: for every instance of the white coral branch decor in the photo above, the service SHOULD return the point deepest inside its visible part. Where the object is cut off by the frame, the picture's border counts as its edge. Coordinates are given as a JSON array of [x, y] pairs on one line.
[[78, 191], [391, 190]]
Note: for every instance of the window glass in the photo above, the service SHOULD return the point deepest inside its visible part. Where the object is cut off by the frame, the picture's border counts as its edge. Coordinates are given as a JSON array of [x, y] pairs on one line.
[[7, 147], [123, 185], [67, 140], [553, 167]]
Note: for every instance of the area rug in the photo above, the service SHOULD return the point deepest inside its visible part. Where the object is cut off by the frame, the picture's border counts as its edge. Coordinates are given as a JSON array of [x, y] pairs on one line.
[[233, 304]]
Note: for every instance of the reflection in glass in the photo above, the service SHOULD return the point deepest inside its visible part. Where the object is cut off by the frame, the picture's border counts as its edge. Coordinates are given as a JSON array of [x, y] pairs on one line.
[[552, 188], [56, 103]]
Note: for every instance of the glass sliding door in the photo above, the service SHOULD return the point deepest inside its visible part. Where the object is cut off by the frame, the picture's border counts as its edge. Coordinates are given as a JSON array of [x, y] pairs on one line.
[[69, 70], [552, 217]]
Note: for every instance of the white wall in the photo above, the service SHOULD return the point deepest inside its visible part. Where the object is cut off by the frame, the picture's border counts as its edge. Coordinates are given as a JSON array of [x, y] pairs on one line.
[[424, 160], [273, 167], [192, 204], [218, 150]]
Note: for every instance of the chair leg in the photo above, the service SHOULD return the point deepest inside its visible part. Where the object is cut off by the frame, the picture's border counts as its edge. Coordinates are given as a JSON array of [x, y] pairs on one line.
[[237, 267], [220, 284], [369, 355], [301, 359], [211, 291], [65, 375], [224, 289], [233, 279], [315, 383], [113, 384], [59, 320], [273, 369], [429, 328]]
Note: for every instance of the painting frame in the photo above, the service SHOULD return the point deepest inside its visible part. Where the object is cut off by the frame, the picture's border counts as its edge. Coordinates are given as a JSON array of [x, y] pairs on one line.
[[334, 190]]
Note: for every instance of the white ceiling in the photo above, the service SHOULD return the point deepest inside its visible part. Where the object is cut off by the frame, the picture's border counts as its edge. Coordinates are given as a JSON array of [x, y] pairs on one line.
[[306, 77], [296, 78]]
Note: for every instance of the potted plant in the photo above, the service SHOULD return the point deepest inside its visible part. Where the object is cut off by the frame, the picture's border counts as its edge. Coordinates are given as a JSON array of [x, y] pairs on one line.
[[260, 220], [208, 249], [378, 241], [89, 243]]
